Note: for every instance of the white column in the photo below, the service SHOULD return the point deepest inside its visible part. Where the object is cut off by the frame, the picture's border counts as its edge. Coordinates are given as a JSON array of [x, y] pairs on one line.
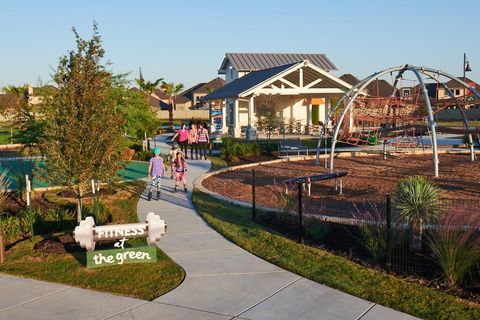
[[251, 132], [309, 116], [327, 110], [224, 118], [251, 102], [236, 119]]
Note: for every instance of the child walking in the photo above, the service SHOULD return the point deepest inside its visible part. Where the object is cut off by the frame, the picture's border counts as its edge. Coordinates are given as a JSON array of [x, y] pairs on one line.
[[180, 166], [156, 170], [171, 158]]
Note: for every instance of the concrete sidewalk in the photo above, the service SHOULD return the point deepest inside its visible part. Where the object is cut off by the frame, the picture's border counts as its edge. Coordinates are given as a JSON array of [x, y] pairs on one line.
[[225, 282], [222, 281]]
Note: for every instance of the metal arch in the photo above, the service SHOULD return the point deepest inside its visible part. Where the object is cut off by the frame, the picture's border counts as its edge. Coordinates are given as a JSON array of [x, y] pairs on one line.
[[431, 121], [363, 84], [333, 110], [361, 87]]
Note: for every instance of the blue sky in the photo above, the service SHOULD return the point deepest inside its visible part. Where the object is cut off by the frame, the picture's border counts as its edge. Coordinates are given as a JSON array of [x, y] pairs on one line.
[[185, 41]]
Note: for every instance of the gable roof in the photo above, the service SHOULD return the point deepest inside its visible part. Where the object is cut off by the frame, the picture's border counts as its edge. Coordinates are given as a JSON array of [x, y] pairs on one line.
[[350, 79], [380, 88], [202, 88], [237, 86], [454, 84], [258, 61], [272, 81]]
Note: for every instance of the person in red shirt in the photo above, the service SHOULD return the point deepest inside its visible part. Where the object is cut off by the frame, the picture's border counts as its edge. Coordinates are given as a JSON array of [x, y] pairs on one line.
[[182, 135]]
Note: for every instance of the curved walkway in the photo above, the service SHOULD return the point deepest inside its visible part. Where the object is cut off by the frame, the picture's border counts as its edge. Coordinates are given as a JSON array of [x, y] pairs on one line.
[[224, 281]]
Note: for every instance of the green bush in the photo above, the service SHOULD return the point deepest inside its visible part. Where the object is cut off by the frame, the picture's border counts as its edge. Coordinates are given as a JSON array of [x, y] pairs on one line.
[[417, 202], [143, 155], [455, 244], [231, 150], [102, 216], [372, 231], [15, 227]]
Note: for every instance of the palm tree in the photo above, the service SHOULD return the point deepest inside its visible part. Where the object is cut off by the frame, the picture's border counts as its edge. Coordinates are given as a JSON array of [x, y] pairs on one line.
[[417, 201], [147, 87], [171, 90]]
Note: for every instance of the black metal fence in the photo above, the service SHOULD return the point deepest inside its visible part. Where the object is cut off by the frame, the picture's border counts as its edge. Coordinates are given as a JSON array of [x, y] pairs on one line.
[[372, 233]]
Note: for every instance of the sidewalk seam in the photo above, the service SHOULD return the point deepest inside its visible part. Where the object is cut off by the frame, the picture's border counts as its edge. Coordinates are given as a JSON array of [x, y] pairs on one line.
[[266, 298], [34, 299], [194, 309], [366, 311], [235, 274], [125, 310]]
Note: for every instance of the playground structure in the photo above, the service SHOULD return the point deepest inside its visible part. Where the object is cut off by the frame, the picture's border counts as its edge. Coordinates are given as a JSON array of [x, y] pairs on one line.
[[367, 119]]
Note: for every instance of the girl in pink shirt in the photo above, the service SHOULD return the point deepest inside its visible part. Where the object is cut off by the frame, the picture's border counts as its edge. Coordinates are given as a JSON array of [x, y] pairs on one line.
[[182, 134]]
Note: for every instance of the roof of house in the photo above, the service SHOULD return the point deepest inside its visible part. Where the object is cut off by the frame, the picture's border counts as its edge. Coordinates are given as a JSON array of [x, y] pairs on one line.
[[202, 88], [237, 86], [258, 61], [455, 84], [350, 79], [380, 88]]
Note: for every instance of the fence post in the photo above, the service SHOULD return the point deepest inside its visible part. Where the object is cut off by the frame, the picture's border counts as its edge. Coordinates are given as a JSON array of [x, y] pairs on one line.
[[2, 247], [253, 196], [300, 213], [388, 230]]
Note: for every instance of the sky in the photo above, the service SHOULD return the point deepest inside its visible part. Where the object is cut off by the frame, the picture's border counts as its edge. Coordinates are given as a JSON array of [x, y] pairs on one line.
[[186, 40]]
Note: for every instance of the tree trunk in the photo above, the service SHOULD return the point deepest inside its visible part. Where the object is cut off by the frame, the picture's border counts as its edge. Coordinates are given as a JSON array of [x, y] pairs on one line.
[[79, 203], [170, 115]]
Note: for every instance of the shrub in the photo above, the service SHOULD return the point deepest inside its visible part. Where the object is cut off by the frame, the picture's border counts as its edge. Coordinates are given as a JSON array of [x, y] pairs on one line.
[[142, 155], [102, 216], [372, 231], [455, 244], [232, 149], [229, 148], [417, 201], [14, 227]]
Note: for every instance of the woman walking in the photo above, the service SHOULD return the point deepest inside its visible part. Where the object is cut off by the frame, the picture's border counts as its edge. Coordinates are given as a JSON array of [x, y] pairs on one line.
[[182, 135], [180, 167], [203, 140], [193, 140]]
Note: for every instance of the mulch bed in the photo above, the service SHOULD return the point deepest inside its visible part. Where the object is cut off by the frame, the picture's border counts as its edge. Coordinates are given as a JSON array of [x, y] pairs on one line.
[[368, 180], [58, 244]]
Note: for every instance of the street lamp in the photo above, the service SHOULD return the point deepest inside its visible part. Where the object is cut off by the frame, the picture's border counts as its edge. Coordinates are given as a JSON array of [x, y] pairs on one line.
[[466, 68]]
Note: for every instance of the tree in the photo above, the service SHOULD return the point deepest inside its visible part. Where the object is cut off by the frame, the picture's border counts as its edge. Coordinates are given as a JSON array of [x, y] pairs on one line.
[[171, 90], [267, 113], [82, 127], [138, 116], [11, 105], [417, 201], [147, 87]]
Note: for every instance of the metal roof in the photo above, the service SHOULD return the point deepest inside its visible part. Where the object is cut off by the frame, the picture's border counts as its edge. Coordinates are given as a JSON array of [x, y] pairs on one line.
[[237, 86], [259, 61]]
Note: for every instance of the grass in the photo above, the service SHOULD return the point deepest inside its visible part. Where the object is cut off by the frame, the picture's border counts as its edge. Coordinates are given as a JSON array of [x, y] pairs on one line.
[[323, 267], [5, 134], [144, 281], [217, 163]]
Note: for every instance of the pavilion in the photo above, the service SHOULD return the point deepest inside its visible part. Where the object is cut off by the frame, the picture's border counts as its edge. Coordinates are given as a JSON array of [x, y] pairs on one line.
[[302, 92]]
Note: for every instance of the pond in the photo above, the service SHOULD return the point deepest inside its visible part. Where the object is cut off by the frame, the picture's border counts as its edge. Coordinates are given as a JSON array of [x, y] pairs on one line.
[[18, 168]]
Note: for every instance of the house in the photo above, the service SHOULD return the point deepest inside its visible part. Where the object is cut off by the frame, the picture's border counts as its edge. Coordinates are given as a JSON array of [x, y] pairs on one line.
[[191, 98], [377, 88], [299, 85]]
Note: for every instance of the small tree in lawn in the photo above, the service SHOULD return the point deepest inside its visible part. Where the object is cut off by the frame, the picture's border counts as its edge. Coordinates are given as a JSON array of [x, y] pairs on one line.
[[82, 127], [12, 104], [171, 91]]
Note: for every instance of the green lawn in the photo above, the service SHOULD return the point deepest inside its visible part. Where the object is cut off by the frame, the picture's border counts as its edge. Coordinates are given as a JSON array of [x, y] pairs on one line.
[[144, 281], [19, 168], [5, 134], [323, 267]]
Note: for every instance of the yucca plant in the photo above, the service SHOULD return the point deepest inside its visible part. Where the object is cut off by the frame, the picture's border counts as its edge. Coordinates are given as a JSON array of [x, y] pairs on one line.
[[417, 202], [455, 244]]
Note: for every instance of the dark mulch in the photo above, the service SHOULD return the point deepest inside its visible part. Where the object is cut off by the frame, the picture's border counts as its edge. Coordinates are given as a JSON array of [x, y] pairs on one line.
[[369, 178], [58, 244]]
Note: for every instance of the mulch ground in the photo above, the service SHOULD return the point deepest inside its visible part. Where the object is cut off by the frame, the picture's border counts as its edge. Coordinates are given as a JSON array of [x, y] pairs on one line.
[[368, 180]]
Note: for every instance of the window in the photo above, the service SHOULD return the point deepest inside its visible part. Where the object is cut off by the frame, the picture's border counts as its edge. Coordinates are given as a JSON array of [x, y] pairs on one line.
[[406, 93], [456, 92]]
